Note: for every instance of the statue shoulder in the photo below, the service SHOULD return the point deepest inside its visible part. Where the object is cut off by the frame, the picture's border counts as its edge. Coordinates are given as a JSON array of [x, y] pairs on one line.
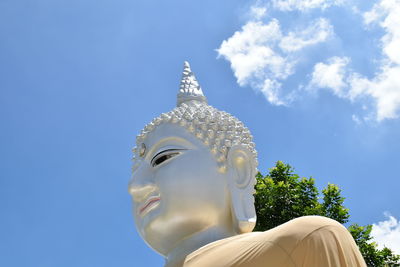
[[305, 241], [297, 229], [320, 241]]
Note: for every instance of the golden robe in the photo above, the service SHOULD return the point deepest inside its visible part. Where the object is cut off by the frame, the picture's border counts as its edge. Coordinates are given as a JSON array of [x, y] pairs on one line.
[[306, 241]]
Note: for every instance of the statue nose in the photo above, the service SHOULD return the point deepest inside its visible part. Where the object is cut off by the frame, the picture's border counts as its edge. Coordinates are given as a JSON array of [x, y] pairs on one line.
[[141, 184]]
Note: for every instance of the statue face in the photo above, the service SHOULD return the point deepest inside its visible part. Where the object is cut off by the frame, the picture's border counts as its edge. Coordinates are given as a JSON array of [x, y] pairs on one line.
[[176, 188]]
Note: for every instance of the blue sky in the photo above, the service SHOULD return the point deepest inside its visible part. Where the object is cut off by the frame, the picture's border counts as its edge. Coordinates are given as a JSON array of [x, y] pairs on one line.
[[317, 82]]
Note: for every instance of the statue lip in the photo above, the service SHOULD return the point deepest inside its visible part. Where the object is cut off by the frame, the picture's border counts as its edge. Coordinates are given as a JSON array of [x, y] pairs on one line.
[[150, 203]]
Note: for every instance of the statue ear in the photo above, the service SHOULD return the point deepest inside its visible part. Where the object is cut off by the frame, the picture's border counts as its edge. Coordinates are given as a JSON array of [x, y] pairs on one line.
[[242, 171]]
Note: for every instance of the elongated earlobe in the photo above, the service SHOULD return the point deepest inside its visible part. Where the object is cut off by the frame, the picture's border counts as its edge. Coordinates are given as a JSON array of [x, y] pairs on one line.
[[242, 168]]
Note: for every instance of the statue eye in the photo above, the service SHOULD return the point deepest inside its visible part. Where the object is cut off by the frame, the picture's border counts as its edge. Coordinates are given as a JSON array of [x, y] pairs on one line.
[[164, 156]]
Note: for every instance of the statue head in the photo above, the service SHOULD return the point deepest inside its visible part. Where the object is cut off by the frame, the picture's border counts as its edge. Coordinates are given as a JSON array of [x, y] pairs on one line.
[[194, 172]]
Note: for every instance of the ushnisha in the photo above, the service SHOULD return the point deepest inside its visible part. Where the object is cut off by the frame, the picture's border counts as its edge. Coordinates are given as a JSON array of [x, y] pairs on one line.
[[192, 187], [217, 129]]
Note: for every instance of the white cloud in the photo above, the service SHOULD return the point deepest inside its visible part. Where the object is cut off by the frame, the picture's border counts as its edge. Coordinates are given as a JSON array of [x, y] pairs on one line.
[[356, 119], [262, 56], [258, 12], [270, 89], [384, 88], [387, 233], [386, 14], [318, 32], [251, 50], [303, 5], [331, 75]]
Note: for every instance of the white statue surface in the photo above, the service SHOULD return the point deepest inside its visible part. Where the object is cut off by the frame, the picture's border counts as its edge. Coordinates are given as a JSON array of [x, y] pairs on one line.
[[192, 187]]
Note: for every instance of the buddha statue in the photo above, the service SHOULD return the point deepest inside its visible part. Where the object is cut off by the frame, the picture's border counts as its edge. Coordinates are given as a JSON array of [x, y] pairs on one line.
[[192, 187]]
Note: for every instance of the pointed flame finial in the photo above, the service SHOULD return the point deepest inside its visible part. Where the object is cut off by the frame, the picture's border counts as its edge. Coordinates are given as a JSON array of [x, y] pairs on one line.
[[189, 88]]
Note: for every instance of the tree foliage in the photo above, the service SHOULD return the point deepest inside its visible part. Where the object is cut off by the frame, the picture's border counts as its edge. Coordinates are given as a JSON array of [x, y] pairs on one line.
[[372, 255], [282, 195]]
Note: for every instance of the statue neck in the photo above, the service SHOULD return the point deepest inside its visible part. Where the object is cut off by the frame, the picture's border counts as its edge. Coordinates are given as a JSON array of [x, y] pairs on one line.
[[178, 254]]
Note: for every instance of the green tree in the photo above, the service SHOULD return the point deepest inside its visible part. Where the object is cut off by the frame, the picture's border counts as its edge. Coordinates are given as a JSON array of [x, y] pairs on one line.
[[282, 195], [332, 205], [372, 255]]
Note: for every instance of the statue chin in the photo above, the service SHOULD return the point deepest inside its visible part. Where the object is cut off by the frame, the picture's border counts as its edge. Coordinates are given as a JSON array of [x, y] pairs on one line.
[[246, 226]]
